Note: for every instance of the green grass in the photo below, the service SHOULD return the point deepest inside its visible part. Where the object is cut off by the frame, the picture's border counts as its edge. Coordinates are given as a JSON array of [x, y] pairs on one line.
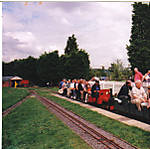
[[54, 88], [32, 126], [11, 96], [133, 135]]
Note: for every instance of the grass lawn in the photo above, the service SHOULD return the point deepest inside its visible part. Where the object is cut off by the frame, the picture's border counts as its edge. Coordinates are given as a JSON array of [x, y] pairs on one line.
[[32, 126], [11, 96], [54, 89], [133, 135]]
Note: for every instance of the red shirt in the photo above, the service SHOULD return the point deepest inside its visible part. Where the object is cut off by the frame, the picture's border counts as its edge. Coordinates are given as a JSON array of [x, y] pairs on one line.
[[138, 76]]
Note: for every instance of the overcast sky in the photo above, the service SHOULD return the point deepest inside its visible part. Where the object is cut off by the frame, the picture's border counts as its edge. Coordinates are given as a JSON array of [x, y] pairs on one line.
[[102, 29]]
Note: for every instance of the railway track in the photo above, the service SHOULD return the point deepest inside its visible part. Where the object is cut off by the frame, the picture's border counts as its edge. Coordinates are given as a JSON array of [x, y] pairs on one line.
[[95, 137], [7, 111]]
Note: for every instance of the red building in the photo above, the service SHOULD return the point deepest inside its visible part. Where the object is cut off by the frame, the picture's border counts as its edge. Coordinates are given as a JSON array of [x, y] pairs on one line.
[[6, 81], [9, 81]]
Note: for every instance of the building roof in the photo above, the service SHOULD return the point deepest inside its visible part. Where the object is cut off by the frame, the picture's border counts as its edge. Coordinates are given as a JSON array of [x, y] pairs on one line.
[[16, 78], [6, 78]]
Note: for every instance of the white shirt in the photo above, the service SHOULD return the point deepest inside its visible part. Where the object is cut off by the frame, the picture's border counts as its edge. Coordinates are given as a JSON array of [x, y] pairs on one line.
[[138, 92], [72, 85], [91, 83]]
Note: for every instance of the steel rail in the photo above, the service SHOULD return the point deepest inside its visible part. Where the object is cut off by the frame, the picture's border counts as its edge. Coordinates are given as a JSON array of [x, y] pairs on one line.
[[108, 143], [99, 137]]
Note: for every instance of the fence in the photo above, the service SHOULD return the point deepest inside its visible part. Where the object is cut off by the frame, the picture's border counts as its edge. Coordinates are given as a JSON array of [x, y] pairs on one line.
[[116, 85]]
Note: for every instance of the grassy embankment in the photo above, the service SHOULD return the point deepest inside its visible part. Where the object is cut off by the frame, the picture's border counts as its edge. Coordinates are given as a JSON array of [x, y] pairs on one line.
[[32, 126], [11, 96], [133, 135]]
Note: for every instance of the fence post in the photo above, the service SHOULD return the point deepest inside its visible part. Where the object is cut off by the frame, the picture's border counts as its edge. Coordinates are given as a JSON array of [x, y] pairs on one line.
[[113, 88]]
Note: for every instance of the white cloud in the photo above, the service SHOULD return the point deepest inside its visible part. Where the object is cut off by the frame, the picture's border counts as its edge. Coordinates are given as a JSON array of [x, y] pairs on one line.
[[65, 21], [101, 28], [21, 36]]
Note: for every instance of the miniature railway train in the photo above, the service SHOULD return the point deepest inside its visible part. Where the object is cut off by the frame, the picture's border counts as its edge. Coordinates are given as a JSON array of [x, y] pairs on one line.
[[123, 107]]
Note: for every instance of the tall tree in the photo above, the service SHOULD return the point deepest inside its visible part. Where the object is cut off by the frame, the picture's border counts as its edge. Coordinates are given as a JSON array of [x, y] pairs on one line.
[[71, 45], [48, 68], [118, 71], [99, 72], [25, 68], [139, 48], [75, 65]]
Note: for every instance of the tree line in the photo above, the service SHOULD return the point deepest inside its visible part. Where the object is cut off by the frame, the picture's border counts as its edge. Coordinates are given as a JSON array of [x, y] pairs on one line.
[[116, 72], [74, 63], [50, 67]]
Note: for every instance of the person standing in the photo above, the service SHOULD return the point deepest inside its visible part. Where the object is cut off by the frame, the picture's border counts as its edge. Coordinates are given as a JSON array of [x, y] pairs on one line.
[[138, 75]]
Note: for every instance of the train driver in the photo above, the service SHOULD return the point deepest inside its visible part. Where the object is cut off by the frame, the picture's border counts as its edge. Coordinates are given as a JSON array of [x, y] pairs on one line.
[[95, 90]]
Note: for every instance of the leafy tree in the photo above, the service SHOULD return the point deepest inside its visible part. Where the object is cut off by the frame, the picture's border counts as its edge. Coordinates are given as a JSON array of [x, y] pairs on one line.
[[11, 68], [25, 68], [118, 71], [71, 45], [127, 73], [139, 48], [75, 65], [99, 72], [6, 69], [48, 68]]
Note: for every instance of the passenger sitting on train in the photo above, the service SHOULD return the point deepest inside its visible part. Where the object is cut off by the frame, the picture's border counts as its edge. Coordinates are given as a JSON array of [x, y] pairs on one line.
[[64, 87], [76, 88], [80, 89], [138, 94], [124, 91], [61, 83], [68, 88], [148, 96], [77, 91], [95, 90], [72, 89], [146, 77], [87, 92]]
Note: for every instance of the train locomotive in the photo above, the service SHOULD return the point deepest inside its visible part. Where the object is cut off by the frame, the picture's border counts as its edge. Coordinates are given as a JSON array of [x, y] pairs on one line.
[[124, 107]]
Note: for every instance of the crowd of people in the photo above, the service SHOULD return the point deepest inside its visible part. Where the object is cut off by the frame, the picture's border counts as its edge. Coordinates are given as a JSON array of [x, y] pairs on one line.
[[133, 91], [79, 89]]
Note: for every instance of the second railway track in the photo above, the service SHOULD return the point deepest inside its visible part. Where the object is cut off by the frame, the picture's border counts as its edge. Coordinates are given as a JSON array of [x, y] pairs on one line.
[[97, 138]]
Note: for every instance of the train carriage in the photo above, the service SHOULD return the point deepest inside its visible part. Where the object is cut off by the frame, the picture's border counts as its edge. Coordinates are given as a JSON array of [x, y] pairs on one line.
[[123, 107], [128, 109]]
